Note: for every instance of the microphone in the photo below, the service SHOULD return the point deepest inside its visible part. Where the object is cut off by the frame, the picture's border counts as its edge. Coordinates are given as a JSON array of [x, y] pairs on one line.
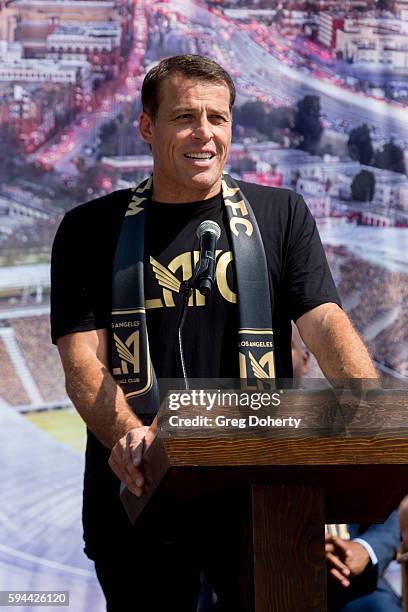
[[208, 233]]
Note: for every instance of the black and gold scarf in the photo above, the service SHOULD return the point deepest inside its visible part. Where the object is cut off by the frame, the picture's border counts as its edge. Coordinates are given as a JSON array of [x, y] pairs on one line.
[[130, 363]]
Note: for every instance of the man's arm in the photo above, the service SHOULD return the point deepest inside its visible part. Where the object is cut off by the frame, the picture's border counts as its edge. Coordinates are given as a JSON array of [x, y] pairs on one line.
[[384, 538], [351, 558], [329, 334], [102, 404]]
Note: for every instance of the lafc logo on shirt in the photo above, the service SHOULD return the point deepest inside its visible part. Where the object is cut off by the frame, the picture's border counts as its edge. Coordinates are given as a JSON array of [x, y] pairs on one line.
[[186, 262], [129, 353]]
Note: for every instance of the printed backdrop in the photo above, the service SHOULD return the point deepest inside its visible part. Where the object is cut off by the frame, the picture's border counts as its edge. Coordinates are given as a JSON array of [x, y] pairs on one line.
[[322, 108]]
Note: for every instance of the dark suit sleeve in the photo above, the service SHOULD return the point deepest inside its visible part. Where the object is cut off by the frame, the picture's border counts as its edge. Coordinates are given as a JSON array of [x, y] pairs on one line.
[[384, 539]]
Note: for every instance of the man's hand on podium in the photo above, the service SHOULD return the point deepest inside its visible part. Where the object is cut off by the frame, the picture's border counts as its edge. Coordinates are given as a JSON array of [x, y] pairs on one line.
[[127, 455], [345, 558]]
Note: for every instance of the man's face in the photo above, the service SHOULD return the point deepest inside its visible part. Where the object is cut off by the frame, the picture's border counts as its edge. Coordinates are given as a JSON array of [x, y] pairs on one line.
[[190, 139]]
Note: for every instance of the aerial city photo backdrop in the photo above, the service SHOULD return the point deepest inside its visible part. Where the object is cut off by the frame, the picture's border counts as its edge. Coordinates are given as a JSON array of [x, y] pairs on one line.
[[322, 108]]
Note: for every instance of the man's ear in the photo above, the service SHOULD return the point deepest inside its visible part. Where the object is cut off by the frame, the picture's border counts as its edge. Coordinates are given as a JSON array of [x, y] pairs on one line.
[[145, 127]]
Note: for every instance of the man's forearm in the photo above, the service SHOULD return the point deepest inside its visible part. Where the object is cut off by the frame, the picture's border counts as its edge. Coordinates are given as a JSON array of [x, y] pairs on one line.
[[97, 397], [338, 348], [102, 404]]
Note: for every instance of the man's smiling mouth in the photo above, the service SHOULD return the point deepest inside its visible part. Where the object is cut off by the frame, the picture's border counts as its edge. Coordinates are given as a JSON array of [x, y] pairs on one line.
[[199, 156]]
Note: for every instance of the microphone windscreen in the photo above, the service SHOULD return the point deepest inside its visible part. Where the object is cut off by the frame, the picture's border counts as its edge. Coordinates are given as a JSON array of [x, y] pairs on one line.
[[209, 226]]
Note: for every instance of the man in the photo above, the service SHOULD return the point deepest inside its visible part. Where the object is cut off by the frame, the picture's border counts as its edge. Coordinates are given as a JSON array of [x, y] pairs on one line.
[[357, 566], [186, 119]]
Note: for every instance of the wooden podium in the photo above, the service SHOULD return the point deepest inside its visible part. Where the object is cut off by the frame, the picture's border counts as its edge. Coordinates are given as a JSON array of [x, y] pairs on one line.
[[345, 462]]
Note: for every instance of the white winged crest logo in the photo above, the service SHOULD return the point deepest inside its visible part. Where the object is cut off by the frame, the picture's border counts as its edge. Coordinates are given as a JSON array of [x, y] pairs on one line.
[[164, 277], [258, 367], [129, 353]]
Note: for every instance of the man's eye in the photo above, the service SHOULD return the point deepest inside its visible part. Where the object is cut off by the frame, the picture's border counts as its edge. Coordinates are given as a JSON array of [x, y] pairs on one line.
[[184, 116], [217, 118]]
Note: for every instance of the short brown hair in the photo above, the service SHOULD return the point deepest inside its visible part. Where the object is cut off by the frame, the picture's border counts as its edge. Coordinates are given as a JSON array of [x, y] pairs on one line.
[[191, 66]]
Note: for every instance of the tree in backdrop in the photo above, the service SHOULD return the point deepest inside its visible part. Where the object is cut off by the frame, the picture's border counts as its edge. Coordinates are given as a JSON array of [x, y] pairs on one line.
[[250, 114], [107, 138], [307, 123], [385, 6], [359, 145], [280, 118], [10, 153], [363, 186], [267, 121], [120, 136], [390, 157], [245, 164]]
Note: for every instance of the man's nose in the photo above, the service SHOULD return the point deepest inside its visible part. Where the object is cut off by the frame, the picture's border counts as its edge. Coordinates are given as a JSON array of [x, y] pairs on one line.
[[202, 129]]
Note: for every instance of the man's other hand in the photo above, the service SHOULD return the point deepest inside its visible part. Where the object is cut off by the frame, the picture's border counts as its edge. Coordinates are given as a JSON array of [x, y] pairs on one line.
[[345, 558], [359, 558], [127, 455], [337, 554]]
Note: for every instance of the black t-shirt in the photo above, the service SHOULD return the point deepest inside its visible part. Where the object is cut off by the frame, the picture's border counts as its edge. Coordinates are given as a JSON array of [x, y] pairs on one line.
[[82, 275], [82, 262]]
